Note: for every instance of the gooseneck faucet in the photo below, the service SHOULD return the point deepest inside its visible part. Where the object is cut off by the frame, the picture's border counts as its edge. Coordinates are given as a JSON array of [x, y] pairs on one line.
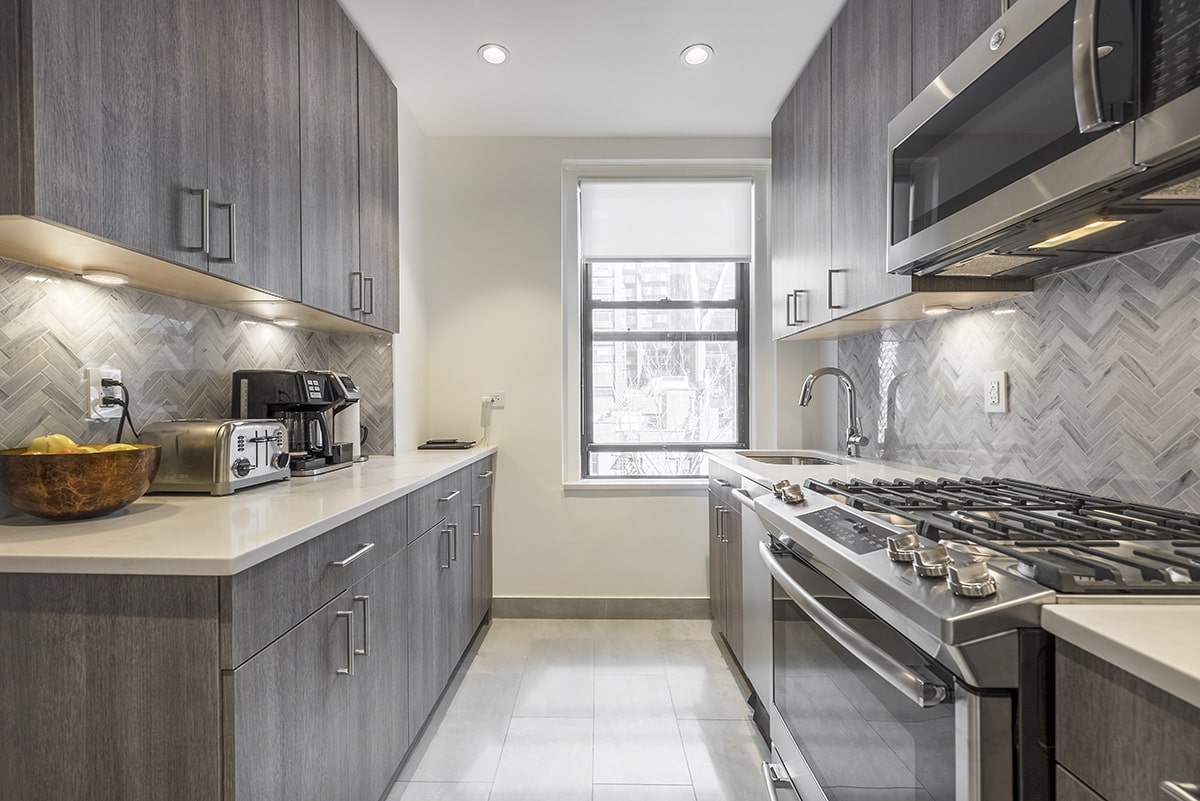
[[854, 435]]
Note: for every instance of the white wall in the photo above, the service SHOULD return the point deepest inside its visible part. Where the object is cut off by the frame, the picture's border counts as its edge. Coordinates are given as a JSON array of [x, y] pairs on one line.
[[493, 255], [410, 346]]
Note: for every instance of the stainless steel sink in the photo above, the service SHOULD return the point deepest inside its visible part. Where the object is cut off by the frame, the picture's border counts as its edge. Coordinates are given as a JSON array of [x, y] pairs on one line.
[[788, 457]]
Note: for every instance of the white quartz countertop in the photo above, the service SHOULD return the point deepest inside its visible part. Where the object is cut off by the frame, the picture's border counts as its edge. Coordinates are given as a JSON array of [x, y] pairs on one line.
[[865, 469], [201, 535], [1158, 643]]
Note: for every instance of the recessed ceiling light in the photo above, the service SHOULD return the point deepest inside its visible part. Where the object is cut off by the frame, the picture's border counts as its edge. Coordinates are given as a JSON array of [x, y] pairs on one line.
[[104, 277], [695, 55], [493, 54], [284, 322]]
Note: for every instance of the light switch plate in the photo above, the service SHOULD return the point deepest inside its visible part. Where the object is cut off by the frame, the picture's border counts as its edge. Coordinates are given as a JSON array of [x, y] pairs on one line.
[[995, 392]]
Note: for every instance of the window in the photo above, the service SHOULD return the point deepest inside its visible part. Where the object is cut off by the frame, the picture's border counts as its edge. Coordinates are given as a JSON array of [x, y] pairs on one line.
[[664, 325]]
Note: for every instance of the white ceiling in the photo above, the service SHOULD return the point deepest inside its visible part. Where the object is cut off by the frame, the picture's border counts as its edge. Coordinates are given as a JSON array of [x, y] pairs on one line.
[[596, 68]]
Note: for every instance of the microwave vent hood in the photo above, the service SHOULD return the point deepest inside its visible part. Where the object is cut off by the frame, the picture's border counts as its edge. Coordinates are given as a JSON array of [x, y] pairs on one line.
[[1067, 133]]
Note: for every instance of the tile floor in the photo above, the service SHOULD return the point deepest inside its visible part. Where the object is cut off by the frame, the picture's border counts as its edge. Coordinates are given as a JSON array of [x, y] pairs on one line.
[[589, 710]]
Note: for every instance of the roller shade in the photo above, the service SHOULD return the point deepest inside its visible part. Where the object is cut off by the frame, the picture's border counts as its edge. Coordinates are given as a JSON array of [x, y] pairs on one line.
[[701, 219]]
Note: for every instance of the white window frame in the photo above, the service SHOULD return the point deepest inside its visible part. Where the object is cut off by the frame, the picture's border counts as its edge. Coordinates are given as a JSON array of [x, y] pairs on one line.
[[574, 171]]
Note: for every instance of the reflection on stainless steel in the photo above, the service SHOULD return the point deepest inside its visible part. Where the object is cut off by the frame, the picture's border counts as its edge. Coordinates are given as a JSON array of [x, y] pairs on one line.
[[854, 435], [787, 457]]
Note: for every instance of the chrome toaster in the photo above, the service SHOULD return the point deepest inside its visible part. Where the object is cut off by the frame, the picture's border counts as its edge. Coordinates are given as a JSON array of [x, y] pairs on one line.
[[218, 456]]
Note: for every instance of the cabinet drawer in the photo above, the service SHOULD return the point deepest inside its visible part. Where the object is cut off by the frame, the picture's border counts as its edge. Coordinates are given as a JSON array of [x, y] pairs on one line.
[[260, 604], [1118, 734], [433, 502], [483, 474]]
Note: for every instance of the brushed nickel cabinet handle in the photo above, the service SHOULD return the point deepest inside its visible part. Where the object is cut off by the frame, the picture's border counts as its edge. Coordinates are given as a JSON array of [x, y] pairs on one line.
[[478, 507], [349, 669], [830, 273], [365, 600], [487, 474], [796, 306], [357, 277], [205, 230], [453, 541], [450, 497], [1181, 791], [444, 565], [232, 208], [362, 549], [369, 286]]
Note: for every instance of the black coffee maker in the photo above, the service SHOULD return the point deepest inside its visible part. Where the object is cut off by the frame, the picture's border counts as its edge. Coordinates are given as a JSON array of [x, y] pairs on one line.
[[304, 401]]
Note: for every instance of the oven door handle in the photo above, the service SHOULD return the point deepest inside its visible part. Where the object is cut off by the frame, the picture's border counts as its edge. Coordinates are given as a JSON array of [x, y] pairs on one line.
[[915, 688]]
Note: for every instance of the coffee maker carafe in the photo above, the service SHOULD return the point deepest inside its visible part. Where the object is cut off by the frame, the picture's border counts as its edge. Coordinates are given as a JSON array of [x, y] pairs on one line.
[[304, 401]]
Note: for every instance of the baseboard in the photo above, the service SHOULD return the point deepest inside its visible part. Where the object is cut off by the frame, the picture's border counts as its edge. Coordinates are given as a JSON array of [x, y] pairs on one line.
[[602, 608]]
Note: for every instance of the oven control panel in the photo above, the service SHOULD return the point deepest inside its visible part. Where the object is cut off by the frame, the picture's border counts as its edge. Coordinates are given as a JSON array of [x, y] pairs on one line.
[[847, 529]]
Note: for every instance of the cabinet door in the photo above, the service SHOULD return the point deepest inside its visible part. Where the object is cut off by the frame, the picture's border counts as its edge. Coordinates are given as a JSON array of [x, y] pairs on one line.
[[287, 711], [716, 561], [379, 719], [872, 82], [481, 557], [941, 30], [733, 584], [119, 121], [461, 608], [379, 192], [785, 279], [428, 586], [813, 176], [254, 143], [329, 155]]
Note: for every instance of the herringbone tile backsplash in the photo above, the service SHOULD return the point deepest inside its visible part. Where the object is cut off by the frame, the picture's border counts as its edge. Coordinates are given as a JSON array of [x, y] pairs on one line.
[[176, 357], [1104, 382]]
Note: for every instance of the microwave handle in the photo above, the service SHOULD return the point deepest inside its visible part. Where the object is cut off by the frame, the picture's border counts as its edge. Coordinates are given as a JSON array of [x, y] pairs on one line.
[[900, 676], [1085, 69]]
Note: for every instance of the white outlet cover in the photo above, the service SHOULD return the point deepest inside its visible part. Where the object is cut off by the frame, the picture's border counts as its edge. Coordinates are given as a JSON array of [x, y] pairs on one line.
[[498, 399], [995, 392], [94, 392]]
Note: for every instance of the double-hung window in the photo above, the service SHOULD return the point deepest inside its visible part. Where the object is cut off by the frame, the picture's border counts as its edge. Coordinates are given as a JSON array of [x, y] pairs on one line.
[[664, 324]]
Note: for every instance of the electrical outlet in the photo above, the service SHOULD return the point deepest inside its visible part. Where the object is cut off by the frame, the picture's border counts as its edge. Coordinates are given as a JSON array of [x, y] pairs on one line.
[[95, 393], [496, 399], [995, 392]]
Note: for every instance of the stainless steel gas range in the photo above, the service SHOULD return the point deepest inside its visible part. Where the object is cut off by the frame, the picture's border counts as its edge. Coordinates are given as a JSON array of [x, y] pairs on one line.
[[909, 661]]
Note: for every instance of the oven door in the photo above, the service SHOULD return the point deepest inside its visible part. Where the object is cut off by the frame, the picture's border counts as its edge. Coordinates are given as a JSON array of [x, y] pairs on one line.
[[996, 138], [861, 713]]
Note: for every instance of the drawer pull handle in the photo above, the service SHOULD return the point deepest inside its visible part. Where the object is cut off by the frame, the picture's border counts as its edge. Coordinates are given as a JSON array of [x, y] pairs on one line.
[[365, 600], [450, 497], [478, 507], [488, 474], [444, 565], [349, 669], [453, 541], [362, 549], [1181, 791]]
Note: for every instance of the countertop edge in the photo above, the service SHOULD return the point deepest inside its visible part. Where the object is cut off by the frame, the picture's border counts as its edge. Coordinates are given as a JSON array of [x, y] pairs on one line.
[[1076, 624], [127, 564]]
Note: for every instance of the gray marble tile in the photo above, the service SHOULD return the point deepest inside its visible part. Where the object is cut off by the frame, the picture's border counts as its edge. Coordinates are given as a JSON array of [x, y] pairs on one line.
[[560, 652], [570, 628], [627, 697], [629, 656], [700, 629], [639, 750], [724, 758], [625, 629], [642, 792], [690, 654], [556, 693], [545, 759], [440, 791], [707, 693]]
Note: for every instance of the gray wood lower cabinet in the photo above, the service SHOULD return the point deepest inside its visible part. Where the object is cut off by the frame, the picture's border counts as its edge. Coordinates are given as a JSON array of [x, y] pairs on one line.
[[725, 559], [1119, 735], [239, 688]]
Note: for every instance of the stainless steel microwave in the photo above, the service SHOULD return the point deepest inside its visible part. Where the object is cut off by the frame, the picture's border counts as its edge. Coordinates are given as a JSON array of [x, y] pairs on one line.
[[1068, 132]]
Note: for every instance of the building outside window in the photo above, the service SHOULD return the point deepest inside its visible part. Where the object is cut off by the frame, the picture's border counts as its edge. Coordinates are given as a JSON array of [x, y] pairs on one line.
[[664, 324]]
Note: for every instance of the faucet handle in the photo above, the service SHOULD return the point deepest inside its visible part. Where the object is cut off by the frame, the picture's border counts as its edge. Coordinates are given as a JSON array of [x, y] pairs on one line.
[[857, 439]]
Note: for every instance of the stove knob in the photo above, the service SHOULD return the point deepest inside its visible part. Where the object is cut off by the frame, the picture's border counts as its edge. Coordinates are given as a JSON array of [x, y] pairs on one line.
[[280, 460], [779, 486], [932, 562], [793, 495], [901, 547], [971, 580], [242, 467]]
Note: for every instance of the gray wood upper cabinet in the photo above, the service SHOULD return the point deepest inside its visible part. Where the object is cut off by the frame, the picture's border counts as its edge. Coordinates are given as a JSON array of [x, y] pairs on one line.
[[254, 143], [942, 29], [111, 138], [785, 281], [872, 82], [328, 156], [378, 193]]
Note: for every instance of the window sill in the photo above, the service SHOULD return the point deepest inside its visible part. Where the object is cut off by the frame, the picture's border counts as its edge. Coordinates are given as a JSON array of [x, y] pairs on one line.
[[615, 486]]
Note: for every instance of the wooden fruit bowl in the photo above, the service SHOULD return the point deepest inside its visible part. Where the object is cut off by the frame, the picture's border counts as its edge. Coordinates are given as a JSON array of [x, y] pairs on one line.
[[74, 486]]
